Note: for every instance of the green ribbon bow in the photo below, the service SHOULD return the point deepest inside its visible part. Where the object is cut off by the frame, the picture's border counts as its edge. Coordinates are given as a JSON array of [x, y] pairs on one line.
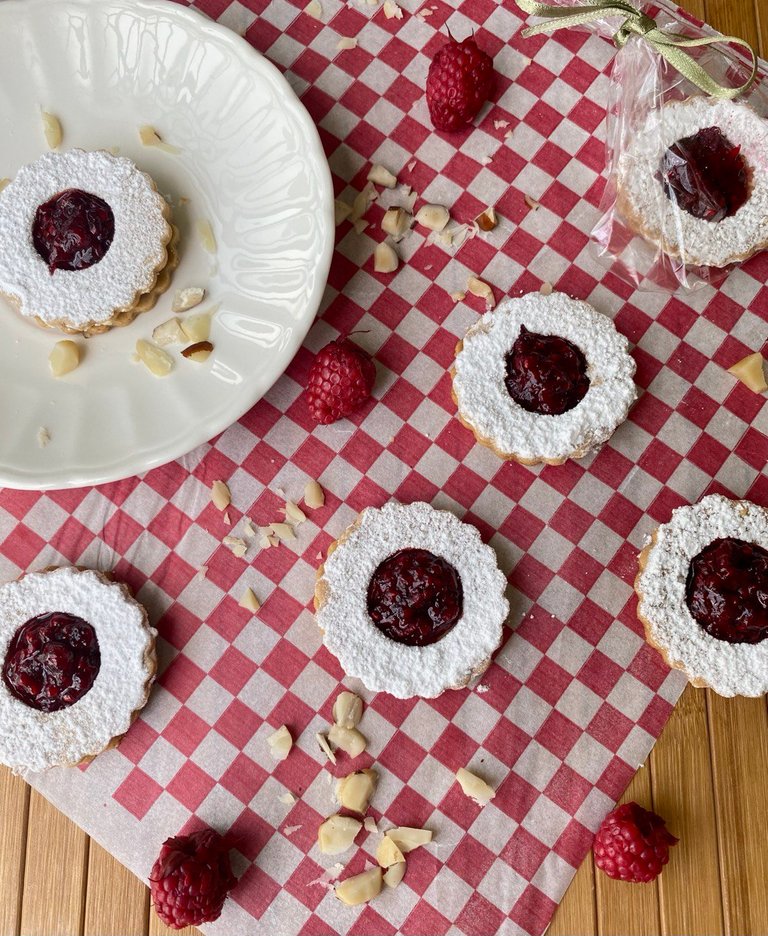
[[669, 45]]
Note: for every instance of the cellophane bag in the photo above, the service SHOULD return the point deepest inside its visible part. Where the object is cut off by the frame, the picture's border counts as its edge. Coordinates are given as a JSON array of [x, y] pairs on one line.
[[682, 204]]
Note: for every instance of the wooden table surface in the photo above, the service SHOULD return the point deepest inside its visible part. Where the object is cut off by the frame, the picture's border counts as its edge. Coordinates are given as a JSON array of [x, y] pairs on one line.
[[707, 776]]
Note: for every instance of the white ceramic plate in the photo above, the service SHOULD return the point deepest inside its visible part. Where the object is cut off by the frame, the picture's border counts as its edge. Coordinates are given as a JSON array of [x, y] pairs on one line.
[[251, 163]]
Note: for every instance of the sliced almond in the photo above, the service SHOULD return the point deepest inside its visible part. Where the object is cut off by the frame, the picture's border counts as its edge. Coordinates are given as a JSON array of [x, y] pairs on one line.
[[325, 747], [294, 513], [314, 497], [280, 743], [197, 327], [249, 601], [341, 211], [354, 791], [361, 888], [168, 333], [157, 361], [236, 545], [220, 495], [283, 531], [370, 824], [532, 203], [346, 42], [186, 299], [3, 183], [396, 221], [337, 834], [388, 853], [474, 787], [347, 710], [481, 289], [349, 740], [288, 798], [314, 9], [394, 874], [385, 260], [64, 357], [382, 176], [205, 234], [52, 130], [750, 372], [407, 838], [392, 10], [487, 221], [199, 351], [362, 201], [433, 217], [150, 137]]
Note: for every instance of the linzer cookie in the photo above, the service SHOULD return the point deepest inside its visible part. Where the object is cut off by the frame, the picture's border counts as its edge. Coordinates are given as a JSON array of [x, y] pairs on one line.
[[78, 663], [86, 241], [543, 379], [411, 601], [703, 594], [694, 181]]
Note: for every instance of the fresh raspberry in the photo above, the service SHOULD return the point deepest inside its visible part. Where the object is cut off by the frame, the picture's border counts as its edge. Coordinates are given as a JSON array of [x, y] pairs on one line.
[[633, 844], [340, 380], [191, 878], [459, 81]]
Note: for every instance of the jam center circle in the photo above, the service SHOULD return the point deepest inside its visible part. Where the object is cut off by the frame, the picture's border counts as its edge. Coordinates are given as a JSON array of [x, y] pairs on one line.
[[415, 597], [727, 590], [52, 661], [73, 230], [706, 175], [546, 374]]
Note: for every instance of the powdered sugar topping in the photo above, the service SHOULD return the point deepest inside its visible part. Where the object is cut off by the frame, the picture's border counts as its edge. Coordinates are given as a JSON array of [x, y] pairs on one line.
[[729, 669], [383, 664], [35, 740], [80, 298], [696, 241], [485, 404]]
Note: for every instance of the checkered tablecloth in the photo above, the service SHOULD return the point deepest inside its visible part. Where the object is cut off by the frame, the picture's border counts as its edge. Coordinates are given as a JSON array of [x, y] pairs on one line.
[[575, 698]]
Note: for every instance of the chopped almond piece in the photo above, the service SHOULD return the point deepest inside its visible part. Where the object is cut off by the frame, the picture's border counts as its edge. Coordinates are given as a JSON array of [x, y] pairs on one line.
[[347, 710], [433, 217], [396, 221], [288, 798], [532, 203], [153, 358], [362, 202], [382, 176], [314, 9], [361, 888], [206, 235], [314, 497], [150, 137], [200, 351], [346, 42], [220, 495], [280, 743], [394, 874], [407, 839], [388, 853], [169, 332], [458, 296], [487, 221], [186, 299], [354, 791], [52, 130], [325, 747], [237, 545], [392, 10], [385, 260], [249, 601], [294, 512], [337, 834], [349, 740], [197, 327], [341, 211], [475, 788], [750, 372], [283, 531], [370, 824], [481, 289], [64, 357]]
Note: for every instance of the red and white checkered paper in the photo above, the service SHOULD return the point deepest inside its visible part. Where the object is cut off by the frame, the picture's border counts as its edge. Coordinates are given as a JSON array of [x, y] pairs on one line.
[[575, 698]]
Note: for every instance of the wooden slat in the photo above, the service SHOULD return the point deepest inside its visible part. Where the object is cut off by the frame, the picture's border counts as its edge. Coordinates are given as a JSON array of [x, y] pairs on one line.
[[629, 909], [14, 810], [734, 18], [116, 901], [697, 8], [689, 887], [761, 18], [738, 731], [577, 912], [53, 901]]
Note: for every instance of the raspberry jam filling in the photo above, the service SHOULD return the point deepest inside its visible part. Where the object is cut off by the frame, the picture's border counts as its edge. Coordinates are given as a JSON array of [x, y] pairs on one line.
[[706, 175], [52, 661], [546, 374], [73, 230], [415, 597], [727, 590]]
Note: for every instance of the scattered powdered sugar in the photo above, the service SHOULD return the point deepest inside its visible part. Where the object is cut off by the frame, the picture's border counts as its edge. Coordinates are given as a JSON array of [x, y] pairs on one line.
[[383, 664], [715, 243], [485, 404], [35, 740], [82, 297], [729, 669]]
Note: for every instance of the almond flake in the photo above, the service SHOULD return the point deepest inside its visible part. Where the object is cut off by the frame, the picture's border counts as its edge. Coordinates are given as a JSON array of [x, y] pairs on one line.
[[361, 888], [43, 437], [500, 124], [314, 9], [280, 743], [248, 529], [289, 799], [382, 176], [532, 203], [290, 829], [205, 235], [750, 372], [392, 10], [341, 211], [325, 747], [337, 834], [433, 217], [411, 166], [349, 740], [423, 14], [186, 299], [283, 531], [487, 221], [475, 788], [294, 512], [385, 260], [394, 874], [249, 601], [64, 357], [481, 289], [314, 497], [346, 42], [3, 183], [52, 130], [153, 358], [407, 839], [237, 546], [354, 791], [369, 823], [220, 495], [150, 137], [347, 710]]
